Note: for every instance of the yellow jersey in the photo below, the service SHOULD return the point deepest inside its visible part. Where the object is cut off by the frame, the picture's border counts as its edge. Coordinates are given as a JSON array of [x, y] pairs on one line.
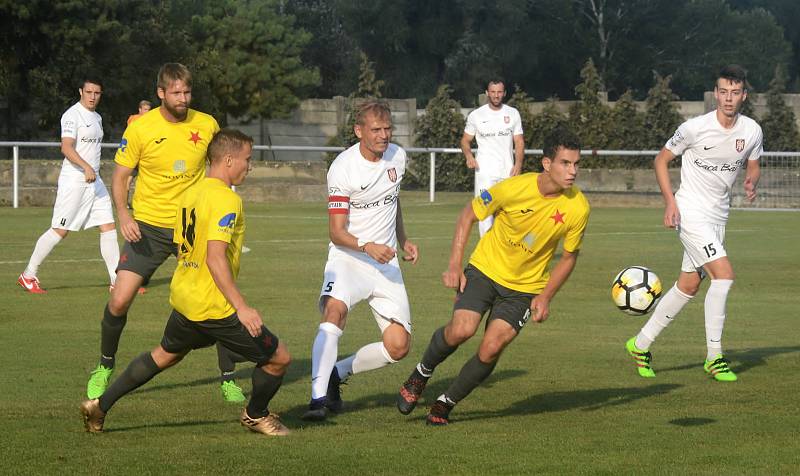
[[208, 211], [527, 228], [171, 157]]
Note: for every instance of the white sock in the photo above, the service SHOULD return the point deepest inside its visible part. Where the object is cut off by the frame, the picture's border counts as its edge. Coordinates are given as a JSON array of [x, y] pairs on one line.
[[716, 298], [370, 357], [666, 310], [323, 358], [109, 249], [44, 245]]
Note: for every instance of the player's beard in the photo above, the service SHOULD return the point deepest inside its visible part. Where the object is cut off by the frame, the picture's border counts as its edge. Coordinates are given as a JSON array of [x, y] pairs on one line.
[[179, 114]]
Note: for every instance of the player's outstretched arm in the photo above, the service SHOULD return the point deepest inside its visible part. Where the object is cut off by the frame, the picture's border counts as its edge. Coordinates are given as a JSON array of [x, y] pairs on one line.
[[672, 217], [752, 175], [220, 269], [540, 306], [119, 193], [454, 277]]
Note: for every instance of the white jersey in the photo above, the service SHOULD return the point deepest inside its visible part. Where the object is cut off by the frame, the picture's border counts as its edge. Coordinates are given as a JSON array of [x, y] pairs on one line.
[[494, 131], [712, 158], [86, 127], [368, 192]]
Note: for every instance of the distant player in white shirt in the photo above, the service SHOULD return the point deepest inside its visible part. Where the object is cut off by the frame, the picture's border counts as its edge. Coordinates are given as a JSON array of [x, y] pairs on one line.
[[715, 147], [497, 128], [365, 223], [82, 200]]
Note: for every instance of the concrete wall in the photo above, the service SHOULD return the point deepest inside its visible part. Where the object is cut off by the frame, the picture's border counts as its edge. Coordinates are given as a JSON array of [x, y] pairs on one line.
[[315, 121]]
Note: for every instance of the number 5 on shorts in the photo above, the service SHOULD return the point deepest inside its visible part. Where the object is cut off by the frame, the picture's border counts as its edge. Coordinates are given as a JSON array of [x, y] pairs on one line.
[[328, 287]]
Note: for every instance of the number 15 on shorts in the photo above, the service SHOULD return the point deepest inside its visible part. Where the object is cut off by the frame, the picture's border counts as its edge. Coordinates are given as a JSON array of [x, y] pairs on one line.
[[710, 250]]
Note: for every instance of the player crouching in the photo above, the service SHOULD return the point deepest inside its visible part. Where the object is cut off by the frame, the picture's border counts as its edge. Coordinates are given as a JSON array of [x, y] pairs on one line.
[[207, 304]]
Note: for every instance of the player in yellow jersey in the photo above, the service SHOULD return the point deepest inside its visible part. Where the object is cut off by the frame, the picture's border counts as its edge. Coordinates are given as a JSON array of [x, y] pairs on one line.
[[508, 271], [168, 145], [207, 304]]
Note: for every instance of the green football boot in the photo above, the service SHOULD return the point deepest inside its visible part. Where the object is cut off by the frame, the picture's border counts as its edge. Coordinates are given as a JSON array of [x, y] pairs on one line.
[[231, 392], [642, 358], [98, 381], [719, 369]]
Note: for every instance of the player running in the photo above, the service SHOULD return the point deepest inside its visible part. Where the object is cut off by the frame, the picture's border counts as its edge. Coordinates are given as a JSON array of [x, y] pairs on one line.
[[207, 304], [508, 272], [715, 147], [365, 224]]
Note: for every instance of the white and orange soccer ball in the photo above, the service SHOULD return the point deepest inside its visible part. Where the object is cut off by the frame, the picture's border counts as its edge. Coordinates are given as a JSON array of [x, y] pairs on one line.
[[636, 290]]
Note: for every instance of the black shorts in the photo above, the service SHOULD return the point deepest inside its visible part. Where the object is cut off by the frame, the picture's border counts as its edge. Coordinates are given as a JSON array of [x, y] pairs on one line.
[[482, 293], [182, 335], [146, 255]]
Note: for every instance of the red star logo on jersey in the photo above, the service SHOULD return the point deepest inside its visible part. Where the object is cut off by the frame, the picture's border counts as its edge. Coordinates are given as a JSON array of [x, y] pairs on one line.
[[195, 137], [558, 217]]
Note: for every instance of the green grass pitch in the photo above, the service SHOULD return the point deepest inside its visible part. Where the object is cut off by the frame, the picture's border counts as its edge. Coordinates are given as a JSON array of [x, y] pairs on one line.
[[564, 399]]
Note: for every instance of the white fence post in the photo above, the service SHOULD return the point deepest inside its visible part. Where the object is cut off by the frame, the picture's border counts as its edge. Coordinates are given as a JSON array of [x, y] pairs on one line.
[[433, 177], [16, 176]]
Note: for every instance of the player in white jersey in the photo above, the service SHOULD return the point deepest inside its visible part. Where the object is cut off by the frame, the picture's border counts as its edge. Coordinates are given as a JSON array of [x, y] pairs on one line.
[[365, 223], [715, 147], [82, 200], [497, 128]]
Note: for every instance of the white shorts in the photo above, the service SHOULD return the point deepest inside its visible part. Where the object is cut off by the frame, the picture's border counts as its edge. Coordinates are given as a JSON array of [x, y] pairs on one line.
[[351, 280], [702, 243], [485, 182], [81, 206]]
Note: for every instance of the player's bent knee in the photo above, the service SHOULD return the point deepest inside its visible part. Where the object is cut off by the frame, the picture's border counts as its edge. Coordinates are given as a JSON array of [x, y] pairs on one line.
[[397, 352], [279, 362]]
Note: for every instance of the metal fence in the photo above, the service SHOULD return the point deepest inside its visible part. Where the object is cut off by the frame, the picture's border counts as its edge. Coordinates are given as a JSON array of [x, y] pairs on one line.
[[779, 187]]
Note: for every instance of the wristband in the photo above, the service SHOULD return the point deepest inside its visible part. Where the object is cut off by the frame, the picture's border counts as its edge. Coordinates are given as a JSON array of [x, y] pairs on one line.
[[362, 245]]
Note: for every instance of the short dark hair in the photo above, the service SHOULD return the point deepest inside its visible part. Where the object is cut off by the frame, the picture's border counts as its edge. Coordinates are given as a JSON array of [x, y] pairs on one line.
[[561, 136], [495, 80], [378, 108], [170, 72], [227, 141], [89, 79], [735, 74]]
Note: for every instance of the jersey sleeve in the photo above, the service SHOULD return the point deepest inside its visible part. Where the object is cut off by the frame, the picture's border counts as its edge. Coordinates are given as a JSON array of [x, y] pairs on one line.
[[758, 149], [517, 124], [69, 124], [574, 237], [339, 190], [470, 127], [681, 140], [489, 201], [129, 149], [224, 212]]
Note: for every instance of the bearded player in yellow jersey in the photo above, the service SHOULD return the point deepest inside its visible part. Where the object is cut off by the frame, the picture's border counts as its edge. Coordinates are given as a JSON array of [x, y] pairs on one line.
[[508, 271], [168, 145], [207, 305]]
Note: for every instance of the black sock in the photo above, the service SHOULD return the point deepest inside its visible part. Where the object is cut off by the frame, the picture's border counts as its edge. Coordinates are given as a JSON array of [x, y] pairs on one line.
[[265, 386], [227, 359], [139, 371], [472, 374], [438, 350], [110, 333]]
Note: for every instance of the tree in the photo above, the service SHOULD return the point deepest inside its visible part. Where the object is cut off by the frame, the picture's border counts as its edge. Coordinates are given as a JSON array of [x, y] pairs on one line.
[[369, 87], [543, 124], [589, 116], [441, 126], [779, 123], [250, 56], [661, 118], [523, 103]]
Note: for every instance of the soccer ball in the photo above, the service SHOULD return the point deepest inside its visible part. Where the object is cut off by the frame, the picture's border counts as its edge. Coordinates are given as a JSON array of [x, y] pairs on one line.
[[636, 290]]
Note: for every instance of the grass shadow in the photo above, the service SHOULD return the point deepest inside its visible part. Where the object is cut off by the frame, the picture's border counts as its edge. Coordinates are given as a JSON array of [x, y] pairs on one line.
[[741, 360]]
